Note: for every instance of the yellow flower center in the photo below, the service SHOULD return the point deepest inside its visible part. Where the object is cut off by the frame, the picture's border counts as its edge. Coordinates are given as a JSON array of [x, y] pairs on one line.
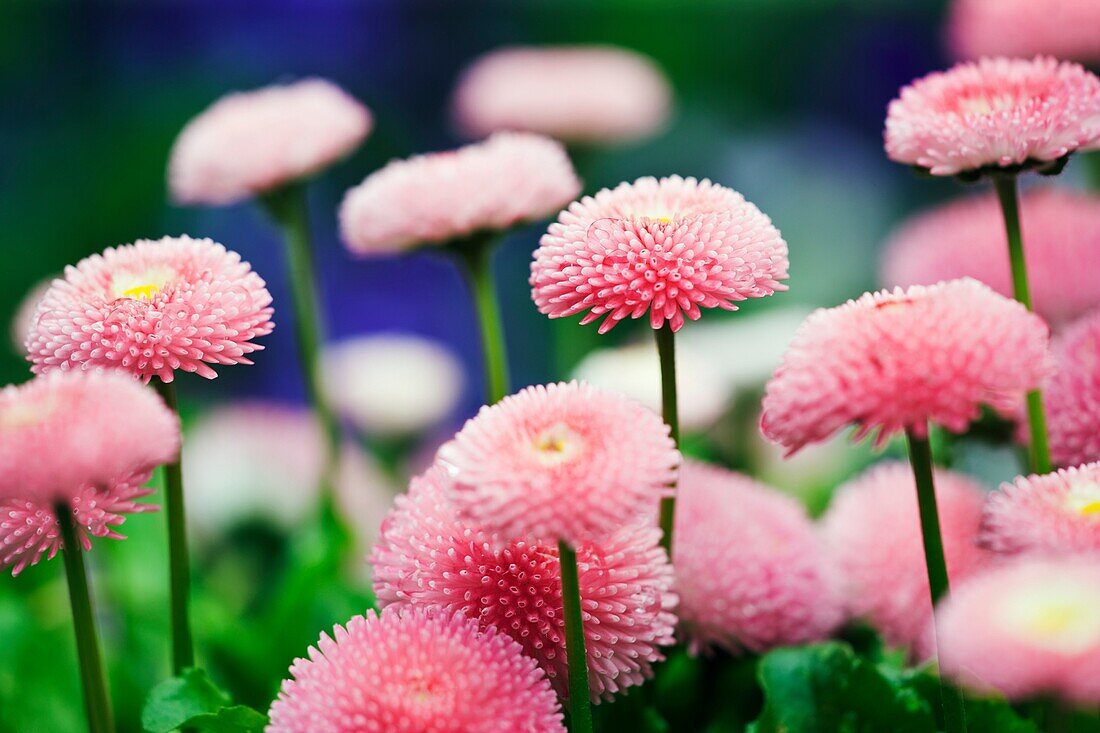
[[141, 292], [556, 445], [143, 285], [1083, 499], [1060, 616]]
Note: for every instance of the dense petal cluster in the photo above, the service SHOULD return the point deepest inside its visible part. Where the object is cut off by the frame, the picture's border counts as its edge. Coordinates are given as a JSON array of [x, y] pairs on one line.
[[1027, 630], [966, 238], [151, 308], [994, 113], [896, 360], [248, 143], [1055, 513], [427, 557], [1072, 394], [29, 530], [64, 431], [585, 94], [1062, 28], [509, 179], [560, 462], [666, 248], [873, 531], [751, 572], [414, 672]]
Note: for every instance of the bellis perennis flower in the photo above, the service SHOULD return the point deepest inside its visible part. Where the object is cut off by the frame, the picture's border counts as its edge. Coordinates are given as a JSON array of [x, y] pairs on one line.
[[1072, 394]]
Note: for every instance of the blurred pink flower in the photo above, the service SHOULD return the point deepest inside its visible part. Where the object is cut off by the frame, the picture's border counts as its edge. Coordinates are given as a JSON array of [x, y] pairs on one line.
[[509, 179], [1056, 513], [65, 431], [577, 94], [665, 247], [873, 531], [1028, 629], [429, 557], [966, 238], [994, 113], [248, 143], [750, 568], [1072, 393], [150, 308], [414, 672], [1062, 28], [560, 462], [25, 312], [896, 360]]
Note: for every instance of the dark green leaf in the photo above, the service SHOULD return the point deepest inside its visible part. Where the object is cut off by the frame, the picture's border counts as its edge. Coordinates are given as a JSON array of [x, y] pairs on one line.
[[192, 700]]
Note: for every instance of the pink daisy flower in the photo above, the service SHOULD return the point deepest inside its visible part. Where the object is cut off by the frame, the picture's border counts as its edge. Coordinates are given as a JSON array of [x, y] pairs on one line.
[[415, 672], [896, 360], [560, 462], [667, 247], [428, 557], [1072, 394], [509, 179], [248, 143], [29, 530], [966, 238], [872, 529], [1062, 28], [151, 308], [1055, 513], [578, 94], [67, 430], [1027, 629], [750, 570], [994, 114]]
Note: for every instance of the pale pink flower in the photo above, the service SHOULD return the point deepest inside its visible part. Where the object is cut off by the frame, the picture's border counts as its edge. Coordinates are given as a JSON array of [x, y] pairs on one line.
[[62, 432], [1028, 629], [429, 557], [666, 248], [1062, 28], [873, 531], [751, 570], [1072, 394], [560, 462], [414, 672], [898, 360], [509, 179], [994, 114], [151, 308], [966, 238], [577, 94], [249, 143], [29, 530], [1056, 513], [25, 312]]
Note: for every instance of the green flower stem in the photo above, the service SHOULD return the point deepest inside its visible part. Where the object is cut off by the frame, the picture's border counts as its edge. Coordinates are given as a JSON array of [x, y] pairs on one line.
[[288, 207], [920, 458], [179, 563], [1010, 207], [475, 258], [666, 353], [97, 704], [580, 705]]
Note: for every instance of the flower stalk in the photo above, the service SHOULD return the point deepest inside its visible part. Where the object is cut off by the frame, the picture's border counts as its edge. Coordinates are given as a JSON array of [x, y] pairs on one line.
[[580, 705], [475, 260], [666, 353]]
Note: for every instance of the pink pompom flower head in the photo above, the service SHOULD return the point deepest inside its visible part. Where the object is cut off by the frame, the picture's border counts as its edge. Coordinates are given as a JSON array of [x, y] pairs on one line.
[[576, 94], [1072, 394], [560, 462], [152, 308], [966, 238], [412, 671], [873, 532], [429, 557], [1057, 513], [751, 572], [1028, 629], [1062, 28], [995, 115], [893, 361], [667, 248], [251, 143]]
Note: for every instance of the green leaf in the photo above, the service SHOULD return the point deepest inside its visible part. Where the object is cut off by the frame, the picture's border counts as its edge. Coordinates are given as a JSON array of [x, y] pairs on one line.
[[192, 700], [826, 688], [983, 715]]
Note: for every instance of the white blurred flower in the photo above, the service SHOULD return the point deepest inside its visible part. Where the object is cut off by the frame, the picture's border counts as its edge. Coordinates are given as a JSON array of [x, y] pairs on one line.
[[24, 315], [393, 384]]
